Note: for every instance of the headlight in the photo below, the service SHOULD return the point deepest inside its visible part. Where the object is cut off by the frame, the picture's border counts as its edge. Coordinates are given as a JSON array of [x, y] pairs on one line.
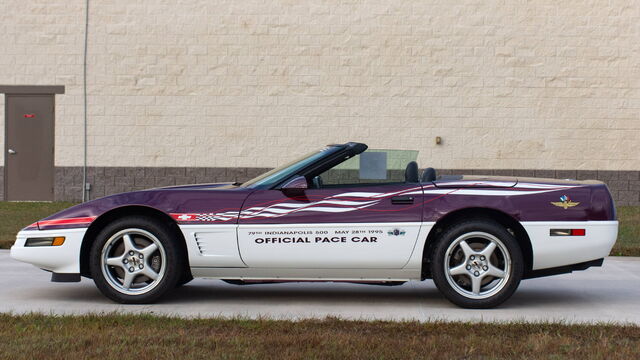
[[45, 241]]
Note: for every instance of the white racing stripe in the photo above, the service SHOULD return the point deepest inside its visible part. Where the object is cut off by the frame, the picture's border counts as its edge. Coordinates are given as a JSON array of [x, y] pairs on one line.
[[471, 183], [333, 202], [484, 192], [357, 194], [543, 186], [293, 207], [374, 195]]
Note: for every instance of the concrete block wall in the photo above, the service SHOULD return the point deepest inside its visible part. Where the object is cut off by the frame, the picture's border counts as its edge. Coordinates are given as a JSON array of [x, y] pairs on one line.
[[112, 180]]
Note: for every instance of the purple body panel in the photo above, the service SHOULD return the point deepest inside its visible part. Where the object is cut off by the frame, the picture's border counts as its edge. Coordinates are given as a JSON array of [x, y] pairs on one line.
[[529, 199], [523, 199]]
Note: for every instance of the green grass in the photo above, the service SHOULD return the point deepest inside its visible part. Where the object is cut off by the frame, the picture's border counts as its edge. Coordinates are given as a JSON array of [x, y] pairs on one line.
[[628, 243], [15, 216], [151, 337]]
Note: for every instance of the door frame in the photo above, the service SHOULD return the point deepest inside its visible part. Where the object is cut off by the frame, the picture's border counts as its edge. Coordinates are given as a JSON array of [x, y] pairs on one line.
[[26, 90]]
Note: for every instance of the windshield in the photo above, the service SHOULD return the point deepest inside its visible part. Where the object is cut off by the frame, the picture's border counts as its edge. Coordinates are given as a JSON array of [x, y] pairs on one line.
[[279, 174]]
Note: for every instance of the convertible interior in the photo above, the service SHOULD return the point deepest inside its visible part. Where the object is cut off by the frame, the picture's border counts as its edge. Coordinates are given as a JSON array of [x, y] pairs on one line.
[[352, 177]]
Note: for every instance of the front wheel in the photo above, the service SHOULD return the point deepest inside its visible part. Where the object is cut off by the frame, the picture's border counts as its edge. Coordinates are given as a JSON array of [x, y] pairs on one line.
[[136, 260], [477, 264]]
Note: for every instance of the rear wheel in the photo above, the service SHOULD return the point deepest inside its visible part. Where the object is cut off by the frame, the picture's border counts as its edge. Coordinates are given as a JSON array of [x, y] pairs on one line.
[[185, 279], [477, 264], [136, 260]]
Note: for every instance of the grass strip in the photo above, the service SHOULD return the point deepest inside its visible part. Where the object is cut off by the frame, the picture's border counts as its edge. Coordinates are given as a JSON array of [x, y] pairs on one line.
[[17, 215], [152, 337], [628, 243]]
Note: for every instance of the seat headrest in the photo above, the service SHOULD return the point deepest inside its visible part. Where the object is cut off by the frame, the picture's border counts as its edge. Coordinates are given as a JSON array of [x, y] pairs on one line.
[[411, 173], [428, 175]]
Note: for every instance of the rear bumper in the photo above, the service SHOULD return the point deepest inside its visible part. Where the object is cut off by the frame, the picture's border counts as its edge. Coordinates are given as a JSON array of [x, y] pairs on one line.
[[63, 259], [564, 269], [556, 251]]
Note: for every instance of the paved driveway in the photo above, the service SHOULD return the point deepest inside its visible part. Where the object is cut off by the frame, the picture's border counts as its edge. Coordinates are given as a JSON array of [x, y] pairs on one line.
[[607, 294]]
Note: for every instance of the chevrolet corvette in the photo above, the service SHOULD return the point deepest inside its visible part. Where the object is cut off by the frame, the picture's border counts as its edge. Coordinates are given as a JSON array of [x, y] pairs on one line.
[[341, 213]]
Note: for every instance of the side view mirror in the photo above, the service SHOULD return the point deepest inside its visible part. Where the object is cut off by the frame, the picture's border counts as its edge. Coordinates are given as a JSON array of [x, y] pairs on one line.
[[297, 183]]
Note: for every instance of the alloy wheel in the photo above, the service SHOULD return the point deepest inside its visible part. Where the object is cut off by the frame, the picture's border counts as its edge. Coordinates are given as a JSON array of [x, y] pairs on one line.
[[133, 261], [477, 265]]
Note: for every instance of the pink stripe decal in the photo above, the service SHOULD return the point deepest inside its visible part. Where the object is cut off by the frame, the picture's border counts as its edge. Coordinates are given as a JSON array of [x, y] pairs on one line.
[[33, 226], [69, 221]]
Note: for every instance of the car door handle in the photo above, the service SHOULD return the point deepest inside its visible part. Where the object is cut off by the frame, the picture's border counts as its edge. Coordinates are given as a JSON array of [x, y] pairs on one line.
[[11, 152], [399, 200]]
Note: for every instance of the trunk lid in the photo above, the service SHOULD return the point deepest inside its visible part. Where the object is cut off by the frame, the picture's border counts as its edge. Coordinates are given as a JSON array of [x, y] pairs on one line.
[[481, 181], [475, 181]]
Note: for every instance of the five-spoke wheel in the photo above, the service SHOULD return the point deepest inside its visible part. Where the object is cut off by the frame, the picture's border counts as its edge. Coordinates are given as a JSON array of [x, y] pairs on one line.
[[137, 259], [132, 261], [477, 264]]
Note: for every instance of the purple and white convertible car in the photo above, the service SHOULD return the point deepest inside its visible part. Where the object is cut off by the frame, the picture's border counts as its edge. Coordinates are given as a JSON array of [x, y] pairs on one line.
[[342, 213]]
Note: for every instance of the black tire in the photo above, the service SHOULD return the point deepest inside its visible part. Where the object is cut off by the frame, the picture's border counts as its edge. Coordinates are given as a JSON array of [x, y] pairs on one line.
[[172, 260], [185, 279], [448, 257]]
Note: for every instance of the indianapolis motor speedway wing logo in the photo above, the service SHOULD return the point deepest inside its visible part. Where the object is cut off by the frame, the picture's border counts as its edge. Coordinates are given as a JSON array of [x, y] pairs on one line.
[[565, 202]]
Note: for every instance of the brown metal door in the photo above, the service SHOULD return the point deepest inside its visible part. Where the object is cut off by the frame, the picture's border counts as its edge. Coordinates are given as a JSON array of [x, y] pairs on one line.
[[29, 147]]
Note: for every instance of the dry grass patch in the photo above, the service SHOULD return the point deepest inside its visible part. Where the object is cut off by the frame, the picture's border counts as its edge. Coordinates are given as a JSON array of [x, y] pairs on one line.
[[149, 337], [17, 215], [628, 243]]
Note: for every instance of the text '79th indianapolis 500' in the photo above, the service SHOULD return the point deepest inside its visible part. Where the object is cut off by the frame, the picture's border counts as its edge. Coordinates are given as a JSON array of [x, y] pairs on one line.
[[341, 213]]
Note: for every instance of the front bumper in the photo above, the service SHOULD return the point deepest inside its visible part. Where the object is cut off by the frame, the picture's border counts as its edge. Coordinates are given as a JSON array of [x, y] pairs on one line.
[[63, 259]]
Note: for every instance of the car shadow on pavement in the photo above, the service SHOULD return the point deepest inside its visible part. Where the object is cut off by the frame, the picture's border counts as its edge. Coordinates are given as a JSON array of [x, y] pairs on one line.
[[72, 293], [204, 292], [534, 298], [418, 294], [299, 292]]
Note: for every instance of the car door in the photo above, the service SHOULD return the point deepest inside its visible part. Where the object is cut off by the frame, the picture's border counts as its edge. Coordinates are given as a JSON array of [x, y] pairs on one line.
[[343, 225]]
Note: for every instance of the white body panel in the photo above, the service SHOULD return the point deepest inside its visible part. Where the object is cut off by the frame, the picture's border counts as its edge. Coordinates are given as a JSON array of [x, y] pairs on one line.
[[212, 245], [411, 270], [214, 252], [553, 251], [328, 246], [64, 259]]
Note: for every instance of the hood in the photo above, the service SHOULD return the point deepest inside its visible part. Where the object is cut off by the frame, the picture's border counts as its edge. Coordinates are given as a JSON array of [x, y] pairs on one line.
[[201, 198], [481, 181]]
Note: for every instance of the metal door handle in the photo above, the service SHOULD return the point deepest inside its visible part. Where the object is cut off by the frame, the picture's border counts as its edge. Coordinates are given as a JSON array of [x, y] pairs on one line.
[[12, 152], [402, 200]]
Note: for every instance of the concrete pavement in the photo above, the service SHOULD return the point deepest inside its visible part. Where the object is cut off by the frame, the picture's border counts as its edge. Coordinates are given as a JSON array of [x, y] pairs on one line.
[[607, 294]]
